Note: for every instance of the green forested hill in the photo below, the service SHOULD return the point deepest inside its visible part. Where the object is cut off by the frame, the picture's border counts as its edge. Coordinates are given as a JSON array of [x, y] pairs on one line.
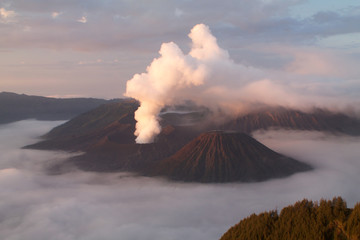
[[326, 220]]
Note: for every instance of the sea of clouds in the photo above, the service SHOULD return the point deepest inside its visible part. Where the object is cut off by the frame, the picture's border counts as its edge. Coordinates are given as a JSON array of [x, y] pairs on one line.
[[90, 206]]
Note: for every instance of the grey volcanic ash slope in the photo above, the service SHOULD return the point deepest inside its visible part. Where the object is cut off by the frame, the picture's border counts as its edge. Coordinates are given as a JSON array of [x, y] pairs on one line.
[[219, 156]]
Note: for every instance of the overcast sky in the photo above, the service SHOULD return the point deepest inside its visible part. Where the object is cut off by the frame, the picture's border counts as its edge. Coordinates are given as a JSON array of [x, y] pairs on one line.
[[91, 48]]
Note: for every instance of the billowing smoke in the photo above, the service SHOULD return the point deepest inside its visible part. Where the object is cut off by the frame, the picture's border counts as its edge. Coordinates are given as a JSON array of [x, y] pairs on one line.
[[209, 77], [176, 76], [167, 75]]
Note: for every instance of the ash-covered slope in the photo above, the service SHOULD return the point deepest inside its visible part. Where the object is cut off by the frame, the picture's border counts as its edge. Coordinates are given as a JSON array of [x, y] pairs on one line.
[[111, 121], [219, 156], [110, 155]]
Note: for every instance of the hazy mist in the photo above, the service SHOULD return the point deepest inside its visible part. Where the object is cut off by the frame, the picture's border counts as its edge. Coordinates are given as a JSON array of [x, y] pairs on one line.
[[91, 206]]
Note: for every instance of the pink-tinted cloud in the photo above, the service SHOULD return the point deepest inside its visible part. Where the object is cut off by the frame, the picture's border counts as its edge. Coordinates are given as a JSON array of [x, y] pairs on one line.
[[7, 16], [244, 29]]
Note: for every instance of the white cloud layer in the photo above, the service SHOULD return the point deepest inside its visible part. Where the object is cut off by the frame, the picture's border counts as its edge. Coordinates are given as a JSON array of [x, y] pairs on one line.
[[91, 206]]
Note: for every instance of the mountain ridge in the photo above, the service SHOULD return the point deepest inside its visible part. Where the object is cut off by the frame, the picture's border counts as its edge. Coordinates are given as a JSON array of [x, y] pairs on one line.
[[16, 107]]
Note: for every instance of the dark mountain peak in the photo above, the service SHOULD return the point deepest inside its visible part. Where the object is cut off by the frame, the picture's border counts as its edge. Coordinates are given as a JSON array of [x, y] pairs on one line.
[[98, 118], [223, 156]]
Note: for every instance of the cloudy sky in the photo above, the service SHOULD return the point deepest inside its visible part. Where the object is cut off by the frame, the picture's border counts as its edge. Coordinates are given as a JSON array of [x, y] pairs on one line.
[[91, 48]]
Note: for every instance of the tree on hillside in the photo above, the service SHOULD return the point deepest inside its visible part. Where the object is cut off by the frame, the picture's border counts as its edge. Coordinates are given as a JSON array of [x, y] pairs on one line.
[[327, 220]]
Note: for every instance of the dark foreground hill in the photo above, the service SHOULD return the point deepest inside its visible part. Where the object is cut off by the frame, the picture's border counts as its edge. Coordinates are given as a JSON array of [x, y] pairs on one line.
[[16, 107], [304, 220], [105, 135], [219, 156]]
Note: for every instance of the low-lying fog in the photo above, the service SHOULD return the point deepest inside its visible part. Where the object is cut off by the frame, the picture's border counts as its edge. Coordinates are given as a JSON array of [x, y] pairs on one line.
[[91, 206]]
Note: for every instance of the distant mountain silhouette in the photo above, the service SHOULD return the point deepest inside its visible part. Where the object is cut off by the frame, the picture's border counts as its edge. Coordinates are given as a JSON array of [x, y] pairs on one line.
[[220, 156], [16, 107]]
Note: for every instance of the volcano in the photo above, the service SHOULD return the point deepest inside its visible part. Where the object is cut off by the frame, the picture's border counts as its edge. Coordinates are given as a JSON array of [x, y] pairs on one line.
[[220, 156], [185, 150]]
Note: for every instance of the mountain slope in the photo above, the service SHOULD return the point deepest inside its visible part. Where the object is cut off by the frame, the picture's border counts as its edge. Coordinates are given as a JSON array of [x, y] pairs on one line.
[[111, 154], [319, 120], [16, 107], [224, 157], [113, 121]]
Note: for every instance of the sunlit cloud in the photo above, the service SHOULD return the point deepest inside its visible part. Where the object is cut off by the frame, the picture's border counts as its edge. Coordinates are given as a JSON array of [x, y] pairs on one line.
[[56, 14], [7, 16], [83, 19], [313, 62]]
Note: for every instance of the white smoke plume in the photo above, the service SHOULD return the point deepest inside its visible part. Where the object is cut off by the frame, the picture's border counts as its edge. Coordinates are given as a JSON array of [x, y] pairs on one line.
[[168, 75], [208, 76]]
